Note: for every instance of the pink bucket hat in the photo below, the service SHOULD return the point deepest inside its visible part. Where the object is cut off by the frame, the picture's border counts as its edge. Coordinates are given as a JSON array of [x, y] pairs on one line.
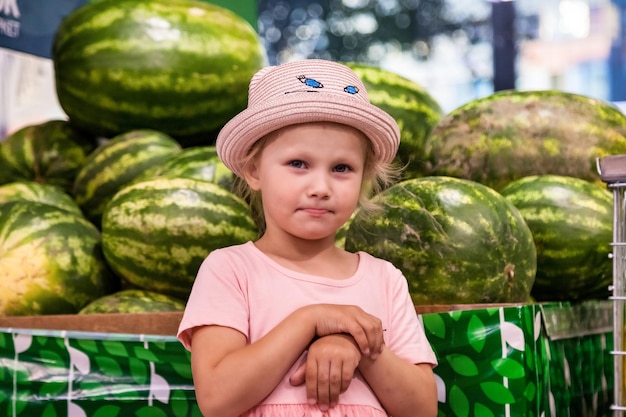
[[305, 91]]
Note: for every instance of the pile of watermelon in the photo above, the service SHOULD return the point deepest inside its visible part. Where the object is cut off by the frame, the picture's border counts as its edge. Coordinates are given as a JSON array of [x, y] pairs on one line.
[[114, 209]]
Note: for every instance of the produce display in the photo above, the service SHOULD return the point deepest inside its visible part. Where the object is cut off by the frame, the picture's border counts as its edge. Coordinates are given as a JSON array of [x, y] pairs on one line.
[[410, 104], [512, 134], [498, 203], [38, 192], [178, 66], [118, 162], [156, 233], [51, 152], [50, 260], [457, 241], [572, 225], [199, 163], [133, 301]]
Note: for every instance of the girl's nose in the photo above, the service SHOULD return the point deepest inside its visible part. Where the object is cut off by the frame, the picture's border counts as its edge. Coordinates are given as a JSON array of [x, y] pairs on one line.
[[319, 186]]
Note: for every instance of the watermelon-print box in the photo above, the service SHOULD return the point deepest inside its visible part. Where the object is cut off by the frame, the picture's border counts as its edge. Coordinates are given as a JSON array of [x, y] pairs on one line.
[[494, 360]]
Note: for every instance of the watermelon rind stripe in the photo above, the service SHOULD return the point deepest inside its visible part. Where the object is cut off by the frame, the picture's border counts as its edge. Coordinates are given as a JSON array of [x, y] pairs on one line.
[[123, 65], [50, 260], [156, 233], [456, 241]]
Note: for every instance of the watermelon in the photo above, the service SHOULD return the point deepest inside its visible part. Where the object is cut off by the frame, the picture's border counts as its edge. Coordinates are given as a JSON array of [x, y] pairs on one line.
[[42, 193], [51, 152], [178, 66], [513, 134], [198, 162], [455, 240], [571, 220], [156, 233], [51, 260], [133, 301], [117, 163], [415, 110]]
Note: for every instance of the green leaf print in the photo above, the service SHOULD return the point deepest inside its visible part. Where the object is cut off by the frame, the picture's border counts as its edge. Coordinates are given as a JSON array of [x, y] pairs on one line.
[[481, 411], [109, 366], [49, 356], [179, 408], [145, 354], [87, 345], [115, 348], [456, 315], [530, 392], [492, 311], [49, 411], [107, 411], [497, 392], [53, 389], [458, 402], [139, 371], [476, 333], [128, 393], [18, 405], [182, 368], [148, 411], [462, 364], [5, 340], [508, 367], [434, 324], [5, 375]]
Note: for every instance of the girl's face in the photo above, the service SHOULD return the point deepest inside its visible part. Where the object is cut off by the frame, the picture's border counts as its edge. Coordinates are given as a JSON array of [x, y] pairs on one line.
[[309, 176]]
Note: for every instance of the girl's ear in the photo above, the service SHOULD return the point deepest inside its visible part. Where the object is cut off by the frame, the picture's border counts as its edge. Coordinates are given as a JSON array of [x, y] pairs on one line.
[[251, 175]]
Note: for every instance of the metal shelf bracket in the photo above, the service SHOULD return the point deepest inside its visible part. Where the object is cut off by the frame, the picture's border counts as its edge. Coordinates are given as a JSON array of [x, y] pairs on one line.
[[612, 170]]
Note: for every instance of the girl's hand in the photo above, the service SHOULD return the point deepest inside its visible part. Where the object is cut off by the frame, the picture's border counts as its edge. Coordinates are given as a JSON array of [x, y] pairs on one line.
[[366, 329], [328, 370]]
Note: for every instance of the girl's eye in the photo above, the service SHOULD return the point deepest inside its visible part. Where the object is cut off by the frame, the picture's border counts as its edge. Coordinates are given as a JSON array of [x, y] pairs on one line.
[[342, 168], [296, 164]]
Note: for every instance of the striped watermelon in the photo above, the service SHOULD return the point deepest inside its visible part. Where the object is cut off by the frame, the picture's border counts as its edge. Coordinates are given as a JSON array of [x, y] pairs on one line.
[[51, 152], [200, 163], [456, 241], [572, 225], [156, 233], [178, 66], [512, 134], [41, 193], [133, 301], [412, 106], [50, 260], [117, 163]]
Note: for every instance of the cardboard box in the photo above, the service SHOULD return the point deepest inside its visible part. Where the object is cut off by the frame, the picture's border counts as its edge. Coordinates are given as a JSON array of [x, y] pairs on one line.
[[165, 323], [529, 360]]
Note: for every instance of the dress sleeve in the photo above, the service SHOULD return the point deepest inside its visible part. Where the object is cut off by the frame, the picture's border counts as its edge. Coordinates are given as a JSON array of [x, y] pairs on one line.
[[218, 297], [406, 336]]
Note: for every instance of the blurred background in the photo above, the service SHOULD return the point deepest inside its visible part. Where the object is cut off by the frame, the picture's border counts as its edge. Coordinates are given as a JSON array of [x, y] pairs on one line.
[[461, 49], [458, 50]]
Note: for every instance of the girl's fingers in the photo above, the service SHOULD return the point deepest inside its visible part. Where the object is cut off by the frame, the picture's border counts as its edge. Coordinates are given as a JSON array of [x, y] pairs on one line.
[[298, 377], [372, 336], [363, 327], [312, 381]]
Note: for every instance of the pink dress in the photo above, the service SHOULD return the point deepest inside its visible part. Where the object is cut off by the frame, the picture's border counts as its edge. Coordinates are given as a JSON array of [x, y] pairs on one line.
[[242, 288]]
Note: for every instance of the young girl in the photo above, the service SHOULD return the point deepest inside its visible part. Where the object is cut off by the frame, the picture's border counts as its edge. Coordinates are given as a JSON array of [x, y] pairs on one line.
[[291, 325]]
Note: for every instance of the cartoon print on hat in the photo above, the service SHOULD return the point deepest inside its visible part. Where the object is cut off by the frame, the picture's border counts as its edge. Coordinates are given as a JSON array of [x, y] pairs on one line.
[[340, 97], [310, 81]]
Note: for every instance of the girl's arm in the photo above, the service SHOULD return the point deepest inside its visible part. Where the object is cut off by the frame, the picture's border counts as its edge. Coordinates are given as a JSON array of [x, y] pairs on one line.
[[403, 388], [231, 376]]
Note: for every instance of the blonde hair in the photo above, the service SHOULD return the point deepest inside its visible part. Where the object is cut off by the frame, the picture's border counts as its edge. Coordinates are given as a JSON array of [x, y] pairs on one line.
[[376, 177]]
